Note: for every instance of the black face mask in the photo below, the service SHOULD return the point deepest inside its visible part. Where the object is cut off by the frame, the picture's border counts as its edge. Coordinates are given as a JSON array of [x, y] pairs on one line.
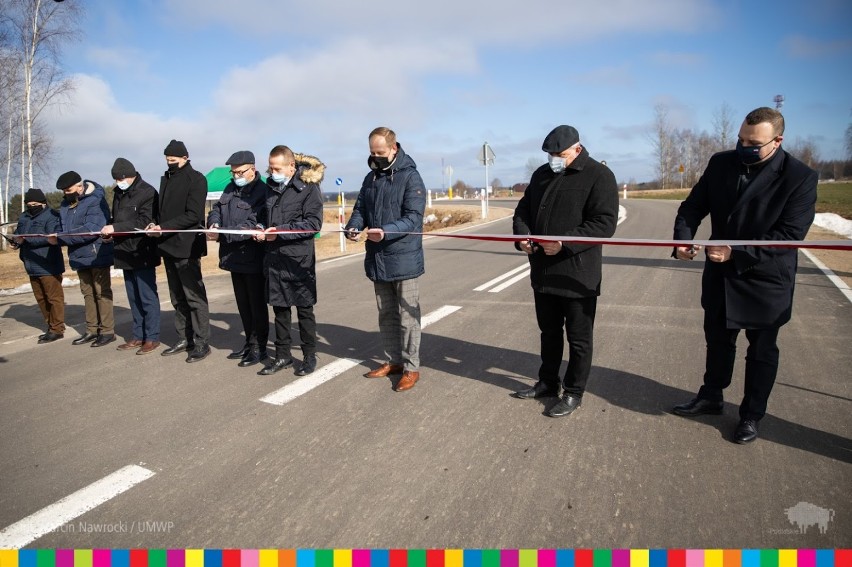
[[34, 210], [378, 163], [72, 197], [173, 167]]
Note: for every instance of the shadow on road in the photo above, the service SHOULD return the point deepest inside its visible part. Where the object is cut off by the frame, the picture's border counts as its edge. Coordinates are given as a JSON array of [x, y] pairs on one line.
[[643, 395]]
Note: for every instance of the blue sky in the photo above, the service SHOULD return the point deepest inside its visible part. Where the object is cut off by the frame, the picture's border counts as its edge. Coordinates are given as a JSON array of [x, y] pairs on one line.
[[446, 75]]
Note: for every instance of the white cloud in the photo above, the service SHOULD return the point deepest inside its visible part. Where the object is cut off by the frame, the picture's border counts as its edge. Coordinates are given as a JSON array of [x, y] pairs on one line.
[[806, 47], [679, 60], [618, 76], [504, 22]]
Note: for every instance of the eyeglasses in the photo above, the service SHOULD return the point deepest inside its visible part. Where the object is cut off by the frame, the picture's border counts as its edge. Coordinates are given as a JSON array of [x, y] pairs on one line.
[[241, 173]]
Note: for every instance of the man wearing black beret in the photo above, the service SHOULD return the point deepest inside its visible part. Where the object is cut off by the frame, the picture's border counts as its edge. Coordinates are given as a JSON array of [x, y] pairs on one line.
[[183, 191], [571, 195]]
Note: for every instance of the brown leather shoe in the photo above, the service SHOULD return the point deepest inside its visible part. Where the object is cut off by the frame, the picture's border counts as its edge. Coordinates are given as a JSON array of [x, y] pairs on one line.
[[148, 346], [130, 345], [384, 370], [408, 380]]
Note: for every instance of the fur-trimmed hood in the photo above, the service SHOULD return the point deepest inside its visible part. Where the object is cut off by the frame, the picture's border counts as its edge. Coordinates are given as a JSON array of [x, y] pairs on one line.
[[309, 168]]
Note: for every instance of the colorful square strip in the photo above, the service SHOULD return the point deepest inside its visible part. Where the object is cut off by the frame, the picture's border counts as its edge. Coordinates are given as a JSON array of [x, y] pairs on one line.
[[426, 558]]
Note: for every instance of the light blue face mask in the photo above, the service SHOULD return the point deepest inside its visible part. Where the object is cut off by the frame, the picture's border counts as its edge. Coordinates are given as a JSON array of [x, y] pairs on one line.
[[240, 181], [123, 185], [556, 163], [280, 178]]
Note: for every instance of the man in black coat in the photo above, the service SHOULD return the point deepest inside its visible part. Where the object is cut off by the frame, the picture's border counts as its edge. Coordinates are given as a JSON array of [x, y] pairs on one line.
[[293, 202], [242, 206], [572, 195], [758, 192], [134, 206], [183, 191]]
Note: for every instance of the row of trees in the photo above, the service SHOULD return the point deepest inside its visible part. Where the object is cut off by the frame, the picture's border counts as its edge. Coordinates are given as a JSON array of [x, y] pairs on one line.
[[681, 155], [32, 33]]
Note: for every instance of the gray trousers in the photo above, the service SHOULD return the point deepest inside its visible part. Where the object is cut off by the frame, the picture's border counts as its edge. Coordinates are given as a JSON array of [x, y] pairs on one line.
[[399, 321]]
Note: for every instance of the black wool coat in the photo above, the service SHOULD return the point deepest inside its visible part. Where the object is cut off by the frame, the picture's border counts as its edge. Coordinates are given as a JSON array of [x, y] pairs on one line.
[[136, 207], [756, 286], [182, 197], [582, 200], [290, 259]]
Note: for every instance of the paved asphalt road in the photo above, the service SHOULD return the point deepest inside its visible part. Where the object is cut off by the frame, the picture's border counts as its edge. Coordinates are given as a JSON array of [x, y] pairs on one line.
[[455, 462]]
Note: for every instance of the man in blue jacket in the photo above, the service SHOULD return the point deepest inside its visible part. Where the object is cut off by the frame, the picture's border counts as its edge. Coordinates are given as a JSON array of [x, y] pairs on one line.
[[757, 192], [241, 207], [43, 262], [84, 212], [389, 206]]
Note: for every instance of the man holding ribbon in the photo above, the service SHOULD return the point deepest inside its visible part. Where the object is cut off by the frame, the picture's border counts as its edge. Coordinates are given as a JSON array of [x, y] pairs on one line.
[[757, 192], [183, 191], [571, 195], [242, 206]]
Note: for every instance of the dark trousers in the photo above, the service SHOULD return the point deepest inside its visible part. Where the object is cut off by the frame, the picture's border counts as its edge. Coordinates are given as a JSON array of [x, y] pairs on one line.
[[51, 300], [307, 330], [189, 298], [761, 364], [250, 290], [141, 287], [576, 318]]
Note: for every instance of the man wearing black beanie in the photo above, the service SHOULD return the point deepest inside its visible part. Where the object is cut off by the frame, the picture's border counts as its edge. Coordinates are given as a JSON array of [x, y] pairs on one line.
[[43, 262], [183, 191], [135, 206]]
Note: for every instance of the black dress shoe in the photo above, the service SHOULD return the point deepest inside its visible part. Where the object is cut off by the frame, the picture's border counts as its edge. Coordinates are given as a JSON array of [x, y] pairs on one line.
[[200, 352], [238, 354], [253, 356], [277, 365], [49, 337], [538, 390], [698, 406], [746, 431], [565, 406], [179, 346], [41, 336], [308, 366], [86, 338], [103, 340]]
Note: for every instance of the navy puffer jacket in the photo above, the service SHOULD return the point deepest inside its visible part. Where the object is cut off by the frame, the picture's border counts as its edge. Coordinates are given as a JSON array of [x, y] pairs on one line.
[[393, 200], [89, 214], [39, 257]]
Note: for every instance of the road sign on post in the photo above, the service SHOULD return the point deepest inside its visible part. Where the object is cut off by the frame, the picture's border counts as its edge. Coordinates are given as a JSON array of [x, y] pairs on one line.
[[486, 158], [341, 212]]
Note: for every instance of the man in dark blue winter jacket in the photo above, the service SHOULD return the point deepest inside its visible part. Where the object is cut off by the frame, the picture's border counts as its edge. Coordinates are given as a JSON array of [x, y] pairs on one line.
[[241, 207], [390, 205], [84, 212], [43, 261]]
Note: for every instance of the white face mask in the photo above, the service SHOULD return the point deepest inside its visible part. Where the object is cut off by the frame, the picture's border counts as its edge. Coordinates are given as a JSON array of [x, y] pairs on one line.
[[556, 163], [123, 185], [280, 178]]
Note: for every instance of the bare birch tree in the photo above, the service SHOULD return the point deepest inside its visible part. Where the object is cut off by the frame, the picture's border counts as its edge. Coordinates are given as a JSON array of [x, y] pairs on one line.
[[724, 128], [35, 32], [662, 139]]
